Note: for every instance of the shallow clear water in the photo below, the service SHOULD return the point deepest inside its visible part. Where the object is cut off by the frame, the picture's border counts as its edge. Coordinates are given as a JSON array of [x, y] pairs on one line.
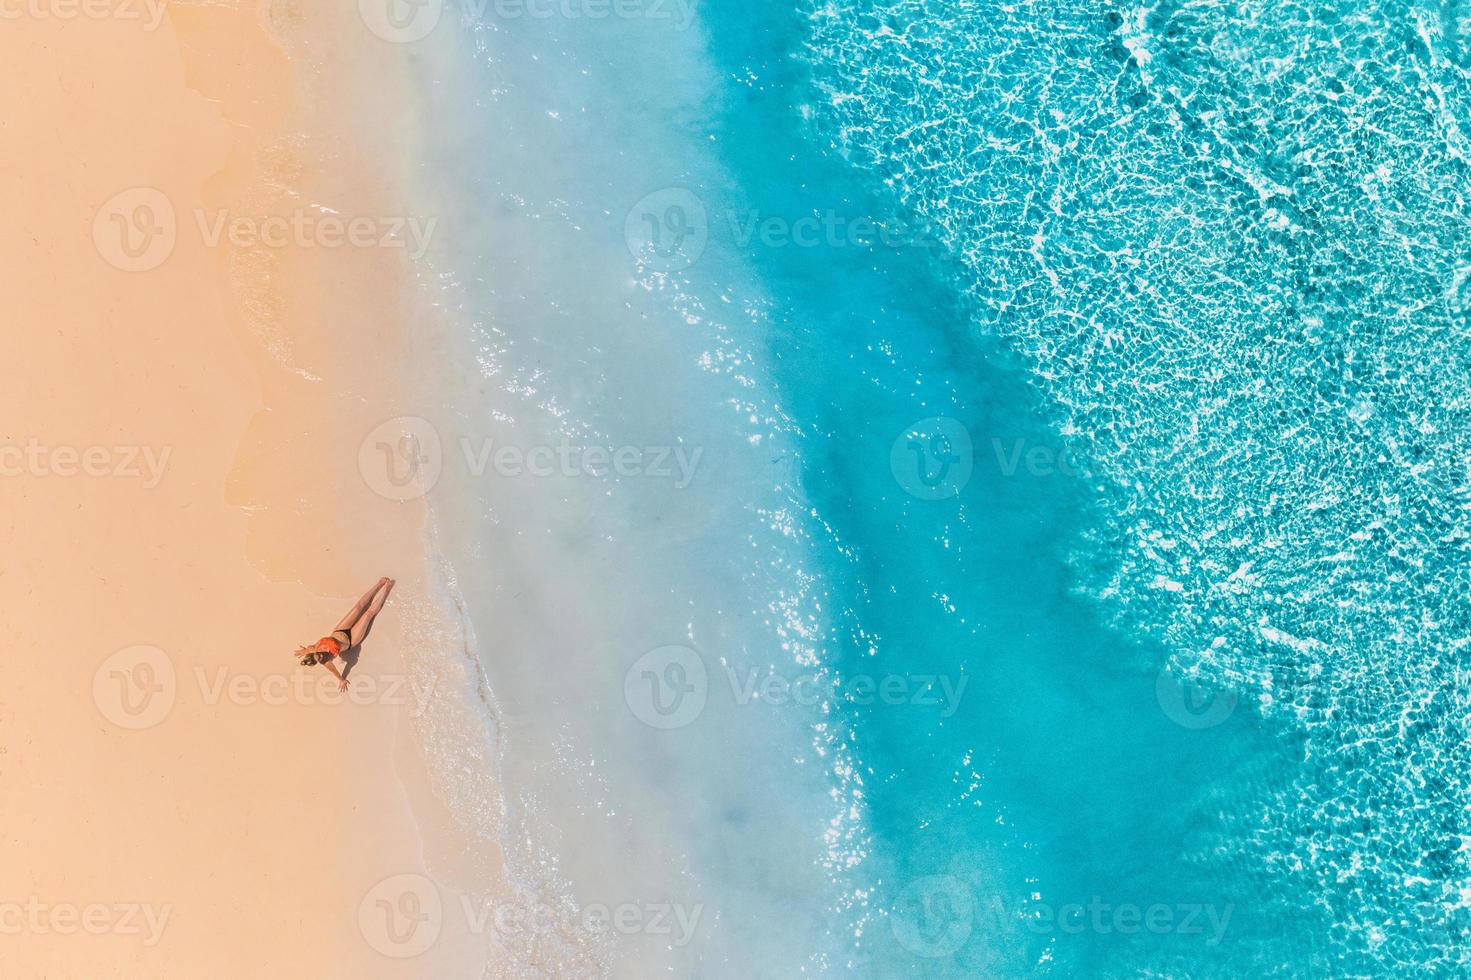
[[1177, 276]]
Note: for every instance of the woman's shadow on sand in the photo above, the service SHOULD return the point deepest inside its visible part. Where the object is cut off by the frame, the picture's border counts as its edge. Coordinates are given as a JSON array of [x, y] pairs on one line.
[[350, 659]]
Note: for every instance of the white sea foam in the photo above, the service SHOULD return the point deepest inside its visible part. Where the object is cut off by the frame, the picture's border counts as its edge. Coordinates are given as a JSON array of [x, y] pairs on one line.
[[744, 817]]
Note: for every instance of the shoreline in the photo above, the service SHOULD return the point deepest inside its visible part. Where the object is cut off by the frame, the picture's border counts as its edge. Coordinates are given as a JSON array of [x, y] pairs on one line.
[[252, 818]]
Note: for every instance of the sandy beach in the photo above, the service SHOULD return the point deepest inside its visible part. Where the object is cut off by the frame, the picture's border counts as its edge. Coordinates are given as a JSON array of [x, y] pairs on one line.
[[198, 351], [875, 489]]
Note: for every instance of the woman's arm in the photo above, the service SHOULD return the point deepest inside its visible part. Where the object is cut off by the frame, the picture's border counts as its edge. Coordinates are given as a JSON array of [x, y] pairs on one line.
[[341, 681]]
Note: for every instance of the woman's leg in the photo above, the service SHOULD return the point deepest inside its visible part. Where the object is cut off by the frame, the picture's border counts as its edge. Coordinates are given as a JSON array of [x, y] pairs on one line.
[[359, 630], [350, 620]]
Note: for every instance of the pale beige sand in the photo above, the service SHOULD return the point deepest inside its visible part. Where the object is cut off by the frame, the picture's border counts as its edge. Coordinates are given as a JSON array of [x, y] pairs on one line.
[[249, 825]]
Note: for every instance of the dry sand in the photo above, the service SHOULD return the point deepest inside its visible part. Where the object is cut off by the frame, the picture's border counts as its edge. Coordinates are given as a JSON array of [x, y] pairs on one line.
[[181, 504]]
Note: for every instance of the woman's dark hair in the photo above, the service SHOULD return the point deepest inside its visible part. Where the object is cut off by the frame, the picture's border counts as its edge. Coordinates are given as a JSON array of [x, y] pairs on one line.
[[315, 658]]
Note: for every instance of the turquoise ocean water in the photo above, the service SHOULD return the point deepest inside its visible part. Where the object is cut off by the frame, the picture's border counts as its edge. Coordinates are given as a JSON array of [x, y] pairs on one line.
[[1064, 578]]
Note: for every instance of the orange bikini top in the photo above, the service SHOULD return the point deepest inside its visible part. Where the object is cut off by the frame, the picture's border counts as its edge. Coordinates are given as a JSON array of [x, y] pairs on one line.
[[329, 644]]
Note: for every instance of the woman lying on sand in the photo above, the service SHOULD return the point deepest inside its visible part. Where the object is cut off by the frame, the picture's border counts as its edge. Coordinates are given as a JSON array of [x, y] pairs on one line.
[[349, 633]]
